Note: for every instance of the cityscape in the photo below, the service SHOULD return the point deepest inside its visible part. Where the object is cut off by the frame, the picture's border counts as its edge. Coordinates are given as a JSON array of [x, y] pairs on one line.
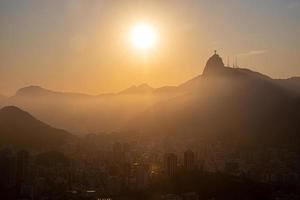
[[130, 170], [149, 100]]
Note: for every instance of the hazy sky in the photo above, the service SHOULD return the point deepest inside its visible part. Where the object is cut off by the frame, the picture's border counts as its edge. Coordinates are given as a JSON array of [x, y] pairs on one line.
[[82, 45]]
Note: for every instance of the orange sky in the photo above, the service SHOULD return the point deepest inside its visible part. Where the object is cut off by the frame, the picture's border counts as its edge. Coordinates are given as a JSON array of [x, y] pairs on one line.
[[82, 46]]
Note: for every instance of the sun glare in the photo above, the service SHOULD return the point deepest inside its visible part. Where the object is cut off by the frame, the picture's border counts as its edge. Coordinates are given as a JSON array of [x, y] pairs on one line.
[[143, 37]]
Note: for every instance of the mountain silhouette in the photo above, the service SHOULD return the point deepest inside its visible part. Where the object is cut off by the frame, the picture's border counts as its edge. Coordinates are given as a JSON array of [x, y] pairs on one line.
[[22, 130], [214, 65], [231, 104], [83, 113], [37, 91], [80, 113], [291, 84], [143, 88]]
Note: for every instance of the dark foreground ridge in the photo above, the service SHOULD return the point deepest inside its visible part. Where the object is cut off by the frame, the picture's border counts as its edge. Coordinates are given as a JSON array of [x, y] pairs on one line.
[[22, 130]]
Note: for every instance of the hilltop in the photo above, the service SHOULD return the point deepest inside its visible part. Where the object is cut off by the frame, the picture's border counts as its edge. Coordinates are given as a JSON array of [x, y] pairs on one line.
[[22, 130]]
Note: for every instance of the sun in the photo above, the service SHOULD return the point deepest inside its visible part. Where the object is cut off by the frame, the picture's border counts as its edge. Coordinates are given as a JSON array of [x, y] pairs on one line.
[[143, 36]]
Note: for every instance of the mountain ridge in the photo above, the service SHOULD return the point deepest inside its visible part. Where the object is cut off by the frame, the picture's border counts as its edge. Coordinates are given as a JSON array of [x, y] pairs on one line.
[[142, 88], [250, 107], [39, 91], [21, 129], [112, 111]]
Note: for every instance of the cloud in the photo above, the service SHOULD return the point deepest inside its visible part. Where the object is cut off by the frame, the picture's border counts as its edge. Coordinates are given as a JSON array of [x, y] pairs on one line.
[[253, 52]]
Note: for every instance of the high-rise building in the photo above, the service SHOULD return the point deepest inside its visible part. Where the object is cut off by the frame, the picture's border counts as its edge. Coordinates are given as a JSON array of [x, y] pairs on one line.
[[170, 163], [189, 160], [142, 177], [118, 152], [126, 147], [22, 166], [22, 173], [8, 166], [232, 167]]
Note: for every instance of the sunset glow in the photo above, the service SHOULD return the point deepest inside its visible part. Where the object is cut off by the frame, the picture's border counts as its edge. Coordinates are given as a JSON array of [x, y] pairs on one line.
[[143, 36]]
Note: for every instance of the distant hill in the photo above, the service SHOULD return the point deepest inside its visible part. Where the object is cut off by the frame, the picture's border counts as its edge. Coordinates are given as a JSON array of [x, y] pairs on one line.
[[40, 92], [20, 129], [83, 113], [232, 104], [140, 89], [37, 91], [291, 84]]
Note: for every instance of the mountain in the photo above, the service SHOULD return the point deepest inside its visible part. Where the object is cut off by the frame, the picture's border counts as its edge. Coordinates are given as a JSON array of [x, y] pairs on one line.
[[39, 92], [20, 129], [140, 89], [290, 84], [232, 104], [82, 113]]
